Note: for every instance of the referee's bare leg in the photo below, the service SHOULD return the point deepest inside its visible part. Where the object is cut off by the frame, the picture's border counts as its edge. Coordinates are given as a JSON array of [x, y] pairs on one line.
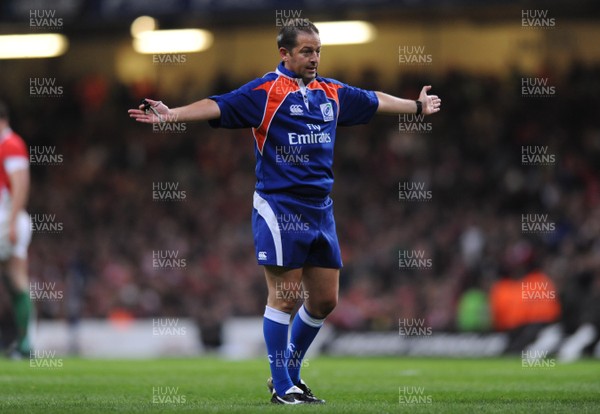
[[284, 287], [321, 285]]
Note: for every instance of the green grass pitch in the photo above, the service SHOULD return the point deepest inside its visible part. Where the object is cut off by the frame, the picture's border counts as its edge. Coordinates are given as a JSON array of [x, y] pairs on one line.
[[350, 385]]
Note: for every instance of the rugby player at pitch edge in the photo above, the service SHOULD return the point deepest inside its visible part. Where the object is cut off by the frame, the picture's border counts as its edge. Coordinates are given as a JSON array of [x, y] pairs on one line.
[[293, 107], [15, 229]]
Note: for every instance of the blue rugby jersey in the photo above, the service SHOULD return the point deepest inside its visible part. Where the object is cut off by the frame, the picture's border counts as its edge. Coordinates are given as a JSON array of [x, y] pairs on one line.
[[294, 127]]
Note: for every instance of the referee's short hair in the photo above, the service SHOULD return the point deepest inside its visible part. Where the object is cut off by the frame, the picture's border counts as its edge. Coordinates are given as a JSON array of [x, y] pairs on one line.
[[3, 111], [288, 35]]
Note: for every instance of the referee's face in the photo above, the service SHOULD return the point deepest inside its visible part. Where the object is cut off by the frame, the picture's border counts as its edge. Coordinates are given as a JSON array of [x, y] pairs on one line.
[[304, 59]]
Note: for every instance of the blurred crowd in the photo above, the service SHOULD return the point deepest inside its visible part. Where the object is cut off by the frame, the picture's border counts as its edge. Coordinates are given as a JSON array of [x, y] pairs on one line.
[[469, 160]]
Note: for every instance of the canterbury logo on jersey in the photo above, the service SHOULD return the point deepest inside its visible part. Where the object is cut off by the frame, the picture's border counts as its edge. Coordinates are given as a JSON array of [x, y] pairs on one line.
[[296, 110]]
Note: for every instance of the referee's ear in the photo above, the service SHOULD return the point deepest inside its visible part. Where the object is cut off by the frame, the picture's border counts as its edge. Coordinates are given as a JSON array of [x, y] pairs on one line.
[[284, 53]]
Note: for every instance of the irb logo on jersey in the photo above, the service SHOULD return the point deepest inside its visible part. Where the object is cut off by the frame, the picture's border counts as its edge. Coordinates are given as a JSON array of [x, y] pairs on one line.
[[296, 110], [262, 255], [327, 111]]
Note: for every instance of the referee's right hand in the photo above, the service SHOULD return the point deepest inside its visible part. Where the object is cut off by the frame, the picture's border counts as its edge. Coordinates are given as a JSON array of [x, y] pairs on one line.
[[158, 112]]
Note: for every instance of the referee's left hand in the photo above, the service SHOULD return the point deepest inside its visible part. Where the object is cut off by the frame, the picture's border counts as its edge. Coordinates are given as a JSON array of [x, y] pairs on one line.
[[431, 103]]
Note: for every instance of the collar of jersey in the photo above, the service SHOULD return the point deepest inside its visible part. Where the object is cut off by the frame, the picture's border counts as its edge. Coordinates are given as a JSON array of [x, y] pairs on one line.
[[281, 70]]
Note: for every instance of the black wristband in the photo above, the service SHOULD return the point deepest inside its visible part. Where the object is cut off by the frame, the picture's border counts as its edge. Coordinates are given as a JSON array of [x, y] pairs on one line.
[[419, 107]]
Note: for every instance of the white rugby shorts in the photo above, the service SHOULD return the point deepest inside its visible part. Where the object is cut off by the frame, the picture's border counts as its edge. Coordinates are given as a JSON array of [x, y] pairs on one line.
[[19, 249]]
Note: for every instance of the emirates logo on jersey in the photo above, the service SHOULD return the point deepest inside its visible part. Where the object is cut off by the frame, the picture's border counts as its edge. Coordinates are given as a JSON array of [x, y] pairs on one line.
[[296, 110]]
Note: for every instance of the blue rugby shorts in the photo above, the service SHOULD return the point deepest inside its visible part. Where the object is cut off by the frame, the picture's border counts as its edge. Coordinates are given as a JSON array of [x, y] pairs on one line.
[[294, 231]]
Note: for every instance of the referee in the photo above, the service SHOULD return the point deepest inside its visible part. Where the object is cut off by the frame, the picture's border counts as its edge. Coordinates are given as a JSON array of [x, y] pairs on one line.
[[293, 114]]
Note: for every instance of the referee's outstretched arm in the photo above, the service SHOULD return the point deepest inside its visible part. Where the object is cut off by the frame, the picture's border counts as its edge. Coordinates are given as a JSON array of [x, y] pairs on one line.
[[203, 110], [429, 104]]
